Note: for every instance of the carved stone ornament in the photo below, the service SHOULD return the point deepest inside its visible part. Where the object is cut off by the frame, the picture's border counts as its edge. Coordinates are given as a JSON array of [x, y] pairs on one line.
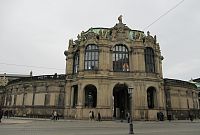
[[150, 38], [120, 30], [71, 42], [83, 38], [91, 35]]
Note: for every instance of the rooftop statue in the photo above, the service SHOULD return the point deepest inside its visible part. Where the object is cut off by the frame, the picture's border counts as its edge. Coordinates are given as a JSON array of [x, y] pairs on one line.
[[120, 18]]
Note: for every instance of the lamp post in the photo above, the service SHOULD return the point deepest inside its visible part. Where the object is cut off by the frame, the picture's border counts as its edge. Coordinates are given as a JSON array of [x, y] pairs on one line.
[[130, 91]]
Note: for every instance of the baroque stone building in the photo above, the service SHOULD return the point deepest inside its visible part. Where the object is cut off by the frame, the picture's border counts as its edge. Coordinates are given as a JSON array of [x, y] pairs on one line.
[[103, 64], [113, 71]]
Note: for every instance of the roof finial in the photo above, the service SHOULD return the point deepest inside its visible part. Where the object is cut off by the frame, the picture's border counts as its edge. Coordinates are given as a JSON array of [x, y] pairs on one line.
[[120, 18]]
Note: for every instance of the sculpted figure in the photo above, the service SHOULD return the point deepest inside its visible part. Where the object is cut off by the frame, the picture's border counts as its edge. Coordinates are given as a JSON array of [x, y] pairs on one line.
[[155, 39], [104, 33], [82, 35], [137, 35], [79, 37], [150, 38], [148, 33], [120, 19], [100, 33], [71, 42]]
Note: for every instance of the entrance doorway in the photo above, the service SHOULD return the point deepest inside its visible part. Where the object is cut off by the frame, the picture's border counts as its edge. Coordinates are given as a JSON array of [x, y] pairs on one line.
[[121, 101]]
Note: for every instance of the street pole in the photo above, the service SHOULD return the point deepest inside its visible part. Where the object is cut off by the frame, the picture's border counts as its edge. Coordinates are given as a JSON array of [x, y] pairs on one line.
[[130, 91], [131, 127]]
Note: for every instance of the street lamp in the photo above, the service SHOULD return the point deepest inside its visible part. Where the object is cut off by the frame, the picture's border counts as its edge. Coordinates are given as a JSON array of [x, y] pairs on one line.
[[130, 91]]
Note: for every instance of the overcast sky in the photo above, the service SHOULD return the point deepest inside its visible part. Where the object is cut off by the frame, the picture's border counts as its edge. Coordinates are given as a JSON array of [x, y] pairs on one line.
[[35, 33]]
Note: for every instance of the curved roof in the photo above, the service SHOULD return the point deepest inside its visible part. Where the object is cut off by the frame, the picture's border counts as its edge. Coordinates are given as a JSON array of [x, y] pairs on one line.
[[43, 77], [180, 83]]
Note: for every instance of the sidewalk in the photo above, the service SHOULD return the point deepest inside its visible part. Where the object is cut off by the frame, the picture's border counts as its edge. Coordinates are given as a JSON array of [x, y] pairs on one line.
[[20, 120], [38, 126], [14, 121]]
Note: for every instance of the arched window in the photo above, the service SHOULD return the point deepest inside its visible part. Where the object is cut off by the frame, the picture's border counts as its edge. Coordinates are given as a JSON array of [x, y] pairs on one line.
[[120, 58], [90, 96], [75, 62], [149, 60], [92, 57], [151, 97]]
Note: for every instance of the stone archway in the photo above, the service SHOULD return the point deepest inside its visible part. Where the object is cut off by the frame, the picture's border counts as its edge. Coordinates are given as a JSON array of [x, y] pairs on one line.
[[121, 101]]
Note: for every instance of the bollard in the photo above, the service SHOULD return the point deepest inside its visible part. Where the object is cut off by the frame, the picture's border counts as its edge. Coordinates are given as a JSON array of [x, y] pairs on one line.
[[131, 128]]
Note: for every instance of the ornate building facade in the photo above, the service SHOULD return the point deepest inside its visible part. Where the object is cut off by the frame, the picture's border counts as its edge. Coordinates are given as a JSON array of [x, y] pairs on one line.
[[113, 71], [104, 64]]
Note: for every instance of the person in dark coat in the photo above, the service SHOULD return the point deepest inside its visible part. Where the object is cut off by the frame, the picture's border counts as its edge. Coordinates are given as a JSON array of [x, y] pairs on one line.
[[92, 115], [158, 116], [1, 114], [99, 116], [191, 117]]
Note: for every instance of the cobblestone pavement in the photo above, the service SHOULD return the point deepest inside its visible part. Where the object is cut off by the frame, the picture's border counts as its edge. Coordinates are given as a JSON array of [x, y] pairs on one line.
[[21, 126]]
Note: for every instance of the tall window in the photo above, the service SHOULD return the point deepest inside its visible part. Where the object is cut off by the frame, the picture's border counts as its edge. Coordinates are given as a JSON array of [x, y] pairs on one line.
[[120, 58], [75, 62], [149, 60], [92, 57], [151, 97], [90, 96], [61, 99], [47, 100], [75, 96]]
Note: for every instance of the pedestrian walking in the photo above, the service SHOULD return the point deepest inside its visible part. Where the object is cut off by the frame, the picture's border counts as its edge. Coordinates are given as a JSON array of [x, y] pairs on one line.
[[1, 114], [99, 116], [90, 115], [191, 117], [52, 115], [55, 115], [128, 117]]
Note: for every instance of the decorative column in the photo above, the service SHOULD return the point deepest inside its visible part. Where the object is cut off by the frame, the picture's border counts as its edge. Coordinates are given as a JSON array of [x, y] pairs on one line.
[[34, 91], [81, 60], [67, 101], [80, 104], [138, 57], [33, 100], [72, 97]]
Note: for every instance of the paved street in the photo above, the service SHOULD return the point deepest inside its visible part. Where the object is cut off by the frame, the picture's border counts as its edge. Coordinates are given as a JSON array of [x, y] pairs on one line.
[[75, 127]]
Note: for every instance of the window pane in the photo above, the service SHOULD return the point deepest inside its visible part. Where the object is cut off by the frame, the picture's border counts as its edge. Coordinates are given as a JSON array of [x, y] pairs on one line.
[[75, 62], [120, 56], [85, 65], [149, 60], [89, 64], [96, 55], [86, 56], [96, 63], [91, 56]]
